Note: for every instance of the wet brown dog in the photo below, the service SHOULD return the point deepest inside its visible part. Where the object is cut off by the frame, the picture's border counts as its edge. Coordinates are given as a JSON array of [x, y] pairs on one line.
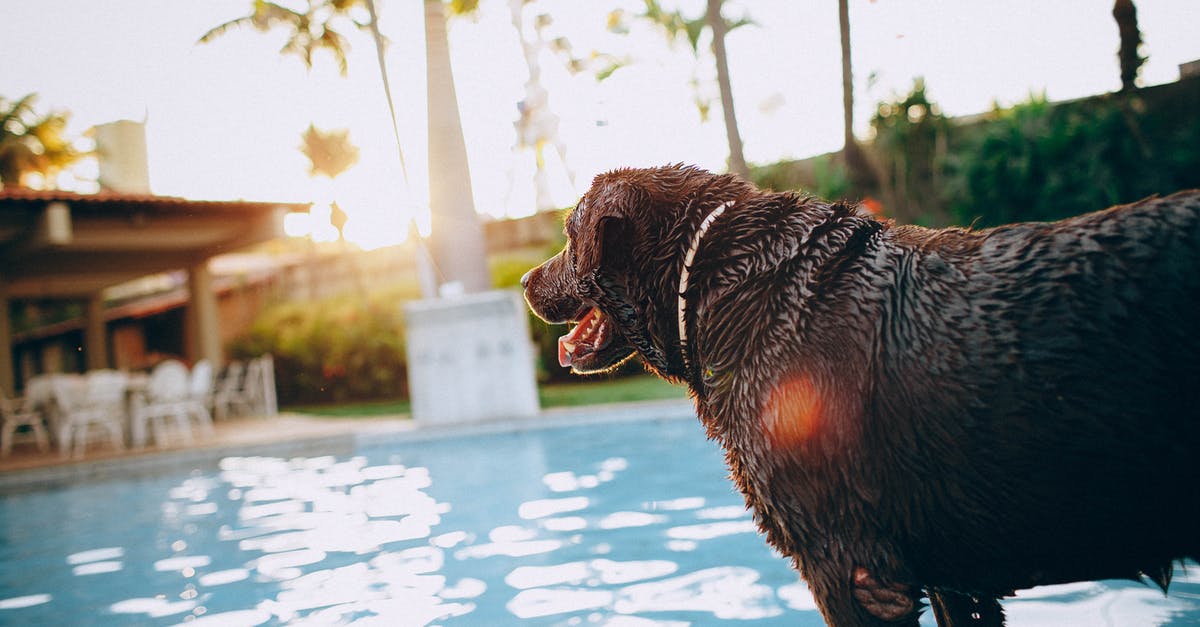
[[906, 410]]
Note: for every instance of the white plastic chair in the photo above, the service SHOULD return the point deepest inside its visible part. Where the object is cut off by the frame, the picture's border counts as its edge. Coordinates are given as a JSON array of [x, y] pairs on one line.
[[16, 413], [247, 389], [166, 398], [230, 397], [200, 392], [98, 402], [39, 394]]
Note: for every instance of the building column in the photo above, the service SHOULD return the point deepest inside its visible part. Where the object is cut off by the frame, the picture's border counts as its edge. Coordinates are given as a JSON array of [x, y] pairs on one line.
[[203, 331], [7, 380], [95, 334]]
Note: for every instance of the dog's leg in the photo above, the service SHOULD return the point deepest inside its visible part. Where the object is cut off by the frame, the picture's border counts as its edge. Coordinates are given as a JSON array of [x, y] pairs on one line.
[[952, 609], [867, 602]]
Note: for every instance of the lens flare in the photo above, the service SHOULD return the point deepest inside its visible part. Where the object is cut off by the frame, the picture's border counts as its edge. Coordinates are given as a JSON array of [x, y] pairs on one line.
[[793, 412]]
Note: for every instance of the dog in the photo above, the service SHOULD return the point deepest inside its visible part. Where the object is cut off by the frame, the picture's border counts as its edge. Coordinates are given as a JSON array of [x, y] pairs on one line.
[[910, 412]]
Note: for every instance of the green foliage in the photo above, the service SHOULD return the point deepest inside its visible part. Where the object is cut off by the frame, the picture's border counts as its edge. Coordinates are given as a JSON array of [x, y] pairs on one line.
[[31, 143], [333, 350], [823, 176], [1041, 161], [831, 181], [913, 117], [910, 140]]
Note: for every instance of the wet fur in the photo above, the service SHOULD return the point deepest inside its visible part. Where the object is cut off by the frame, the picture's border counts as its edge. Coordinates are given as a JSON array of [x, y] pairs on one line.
[[913, 411]]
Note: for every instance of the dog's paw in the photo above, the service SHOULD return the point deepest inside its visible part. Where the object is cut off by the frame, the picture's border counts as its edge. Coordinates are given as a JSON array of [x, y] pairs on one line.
[[883, 601]]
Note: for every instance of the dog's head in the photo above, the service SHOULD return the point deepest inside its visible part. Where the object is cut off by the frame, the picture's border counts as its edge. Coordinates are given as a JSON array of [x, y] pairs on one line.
[[618, 276]]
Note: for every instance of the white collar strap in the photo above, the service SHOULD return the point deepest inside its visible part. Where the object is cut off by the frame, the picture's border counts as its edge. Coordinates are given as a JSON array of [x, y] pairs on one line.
[[687, 267]]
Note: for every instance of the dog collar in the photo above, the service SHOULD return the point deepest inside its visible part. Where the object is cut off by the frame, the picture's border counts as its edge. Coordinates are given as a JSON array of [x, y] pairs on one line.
[[686, 271]]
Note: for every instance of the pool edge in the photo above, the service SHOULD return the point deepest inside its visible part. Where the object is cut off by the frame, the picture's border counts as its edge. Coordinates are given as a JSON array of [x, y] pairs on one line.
[[368, 435]]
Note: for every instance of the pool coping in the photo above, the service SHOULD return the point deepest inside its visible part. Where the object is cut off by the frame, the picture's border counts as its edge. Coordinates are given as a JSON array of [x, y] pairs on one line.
[[369, 434]]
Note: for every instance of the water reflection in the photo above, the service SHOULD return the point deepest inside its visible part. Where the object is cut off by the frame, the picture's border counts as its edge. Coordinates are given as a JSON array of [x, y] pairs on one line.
[[608, 527]]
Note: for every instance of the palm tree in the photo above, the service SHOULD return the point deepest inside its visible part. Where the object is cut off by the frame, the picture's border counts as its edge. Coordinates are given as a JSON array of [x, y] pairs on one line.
[[718, 26], [457, 237], [858, 167], [1131, 37], [308, 31], [32, 144], [674, 24], [458, 251], [329, 152]]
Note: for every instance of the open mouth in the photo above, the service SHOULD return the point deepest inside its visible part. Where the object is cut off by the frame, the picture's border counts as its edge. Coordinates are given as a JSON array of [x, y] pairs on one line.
[[593, 334]]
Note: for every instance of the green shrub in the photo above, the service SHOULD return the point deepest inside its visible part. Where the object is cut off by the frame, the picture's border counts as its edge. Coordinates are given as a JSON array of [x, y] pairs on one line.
[[1043, 161], [910, 141], [823, 176], [332, 350]]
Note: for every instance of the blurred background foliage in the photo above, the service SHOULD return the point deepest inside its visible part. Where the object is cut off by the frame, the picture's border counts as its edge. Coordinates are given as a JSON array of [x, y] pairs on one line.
[[1033, 161]]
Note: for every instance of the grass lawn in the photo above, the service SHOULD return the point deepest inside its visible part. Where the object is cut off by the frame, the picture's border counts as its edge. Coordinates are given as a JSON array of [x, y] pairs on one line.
[[583, 392]]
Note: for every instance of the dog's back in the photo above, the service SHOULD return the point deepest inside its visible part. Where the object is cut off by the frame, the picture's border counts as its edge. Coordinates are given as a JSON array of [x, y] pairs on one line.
[[1057, 376]]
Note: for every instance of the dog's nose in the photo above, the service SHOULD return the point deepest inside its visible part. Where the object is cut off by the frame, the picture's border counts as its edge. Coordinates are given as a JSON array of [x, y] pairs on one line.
[[525, 278]]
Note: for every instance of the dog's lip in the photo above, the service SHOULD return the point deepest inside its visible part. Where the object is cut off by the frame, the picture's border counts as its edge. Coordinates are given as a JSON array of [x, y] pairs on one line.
[[593, 333]]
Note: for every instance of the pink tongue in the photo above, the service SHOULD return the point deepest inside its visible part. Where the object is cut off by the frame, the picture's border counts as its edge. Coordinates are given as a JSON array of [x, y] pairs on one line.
[[568, 355]]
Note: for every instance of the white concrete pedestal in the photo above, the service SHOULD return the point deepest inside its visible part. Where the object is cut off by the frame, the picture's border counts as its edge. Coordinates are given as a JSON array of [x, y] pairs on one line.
[[470, 358]]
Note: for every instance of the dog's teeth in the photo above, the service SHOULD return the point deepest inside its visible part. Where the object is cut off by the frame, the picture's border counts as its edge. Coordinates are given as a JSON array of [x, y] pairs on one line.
[[570, 346]]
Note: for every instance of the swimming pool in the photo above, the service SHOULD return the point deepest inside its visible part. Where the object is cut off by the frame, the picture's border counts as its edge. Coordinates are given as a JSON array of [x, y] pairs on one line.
[[617, 523]]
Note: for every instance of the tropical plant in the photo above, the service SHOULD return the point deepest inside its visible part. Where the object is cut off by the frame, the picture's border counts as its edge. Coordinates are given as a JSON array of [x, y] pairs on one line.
[[1044, 161], [910, 139], [1131, 38], [675, 25], [33, 144], [309, 31], [823, 176], [329, 152], [334, 349]]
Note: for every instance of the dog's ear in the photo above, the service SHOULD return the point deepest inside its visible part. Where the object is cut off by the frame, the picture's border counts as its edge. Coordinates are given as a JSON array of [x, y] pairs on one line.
[[604, 245], [606, 224]]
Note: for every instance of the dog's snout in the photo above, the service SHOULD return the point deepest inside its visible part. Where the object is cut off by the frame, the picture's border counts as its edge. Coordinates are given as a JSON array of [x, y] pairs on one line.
[[525, 278]]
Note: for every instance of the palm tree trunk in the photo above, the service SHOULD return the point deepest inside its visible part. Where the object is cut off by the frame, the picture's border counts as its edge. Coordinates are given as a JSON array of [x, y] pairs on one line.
[[458, 245], [737, 160], [847, 76], [1131, 37], [426, 276], [858, 168]]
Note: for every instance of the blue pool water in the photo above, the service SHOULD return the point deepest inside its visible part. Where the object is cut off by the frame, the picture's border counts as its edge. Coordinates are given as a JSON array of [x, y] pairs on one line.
[[627, 523]]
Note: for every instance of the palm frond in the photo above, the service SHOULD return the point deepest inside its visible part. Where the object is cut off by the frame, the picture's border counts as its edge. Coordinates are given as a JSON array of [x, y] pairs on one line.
[[17, 112], [221, 29]]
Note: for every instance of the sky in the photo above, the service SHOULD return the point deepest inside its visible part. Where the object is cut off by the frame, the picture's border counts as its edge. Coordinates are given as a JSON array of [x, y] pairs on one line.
[[224, 119]]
